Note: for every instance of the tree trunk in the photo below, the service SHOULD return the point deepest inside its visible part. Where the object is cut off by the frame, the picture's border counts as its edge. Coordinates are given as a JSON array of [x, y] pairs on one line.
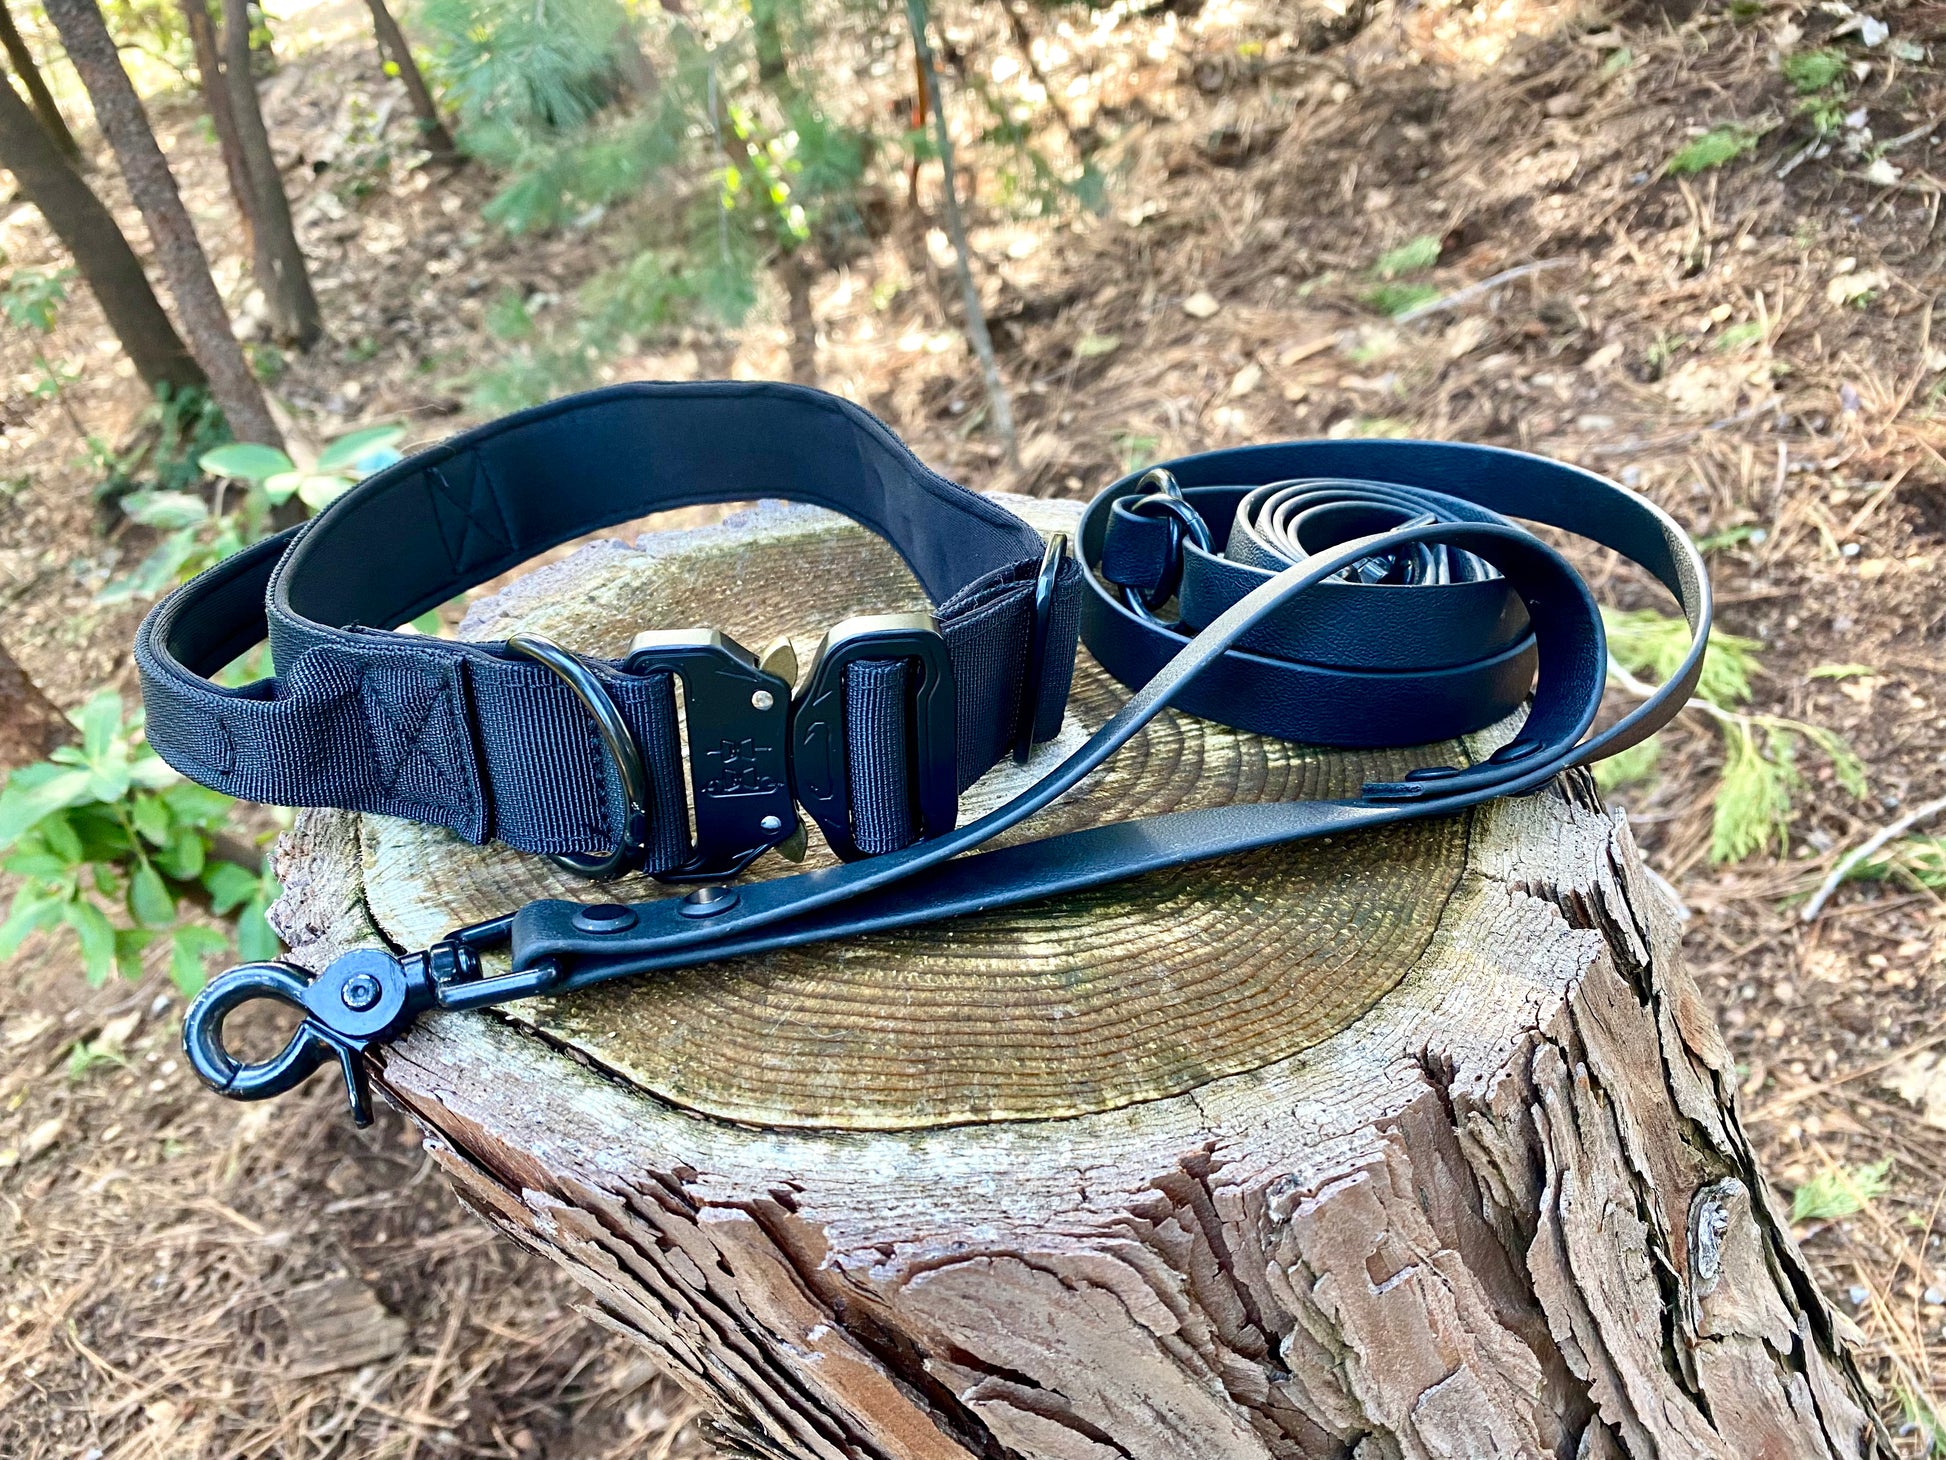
[[392, 45], [30, 725], [998, 405], [637, 71], [1417, 1144], [151, 184], [291, 305], [103, 256], [216, 101], [36, 84], [796, 274]]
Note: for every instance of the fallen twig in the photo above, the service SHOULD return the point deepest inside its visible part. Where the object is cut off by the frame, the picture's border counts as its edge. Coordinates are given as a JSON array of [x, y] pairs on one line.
[[1914, 135], [1485, 286], [1873, 843]]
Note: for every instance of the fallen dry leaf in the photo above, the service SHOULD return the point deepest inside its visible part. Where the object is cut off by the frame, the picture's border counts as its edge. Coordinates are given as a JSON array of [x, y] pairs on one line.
[[1200, 305], [27, 1030], [114, 1034], [1855, 284], [1920, 1081], [41, 1137]]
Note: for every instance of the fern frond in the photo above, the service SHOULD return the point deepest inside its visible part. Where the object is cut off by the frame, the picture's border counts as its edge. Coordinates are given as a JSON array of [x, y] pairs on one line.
[[1753, 800], [1643, 641], [1631, 767], [1841, 1192], [1919, 860], [1845, 762]]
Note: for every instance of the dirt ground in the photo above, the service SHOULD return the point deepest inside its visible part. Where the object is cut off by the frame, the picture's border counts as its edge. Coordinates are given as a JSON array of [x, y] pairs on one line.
[[1753, 346]]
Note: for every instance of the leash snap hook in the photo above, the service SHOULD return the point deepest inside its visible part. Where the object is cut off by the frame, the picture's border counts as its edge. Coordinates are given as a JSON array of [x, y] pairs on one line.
[[365, 996]]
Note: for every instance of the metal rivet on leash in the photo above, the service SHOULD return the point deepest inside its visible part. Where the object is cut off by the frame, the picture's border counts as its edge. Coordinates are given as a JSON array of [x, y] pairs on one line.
[[707, 902]]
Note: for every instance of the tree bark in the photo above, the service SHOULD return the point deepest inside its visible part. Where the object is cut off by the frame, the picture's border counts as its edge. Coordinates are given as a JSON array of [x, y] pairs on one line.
[[1417, 1144], [87, 229], [291, 305], [637, 71], [150, 183], [392, 45], [998, 403], [30, 724], [795, 271], [212, 82], [36, 84]]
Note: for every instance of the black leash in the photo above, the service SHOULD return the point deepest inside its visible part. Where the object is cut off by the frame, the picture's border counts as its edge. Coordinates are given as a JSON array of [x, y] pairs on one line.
[[1366, 593]]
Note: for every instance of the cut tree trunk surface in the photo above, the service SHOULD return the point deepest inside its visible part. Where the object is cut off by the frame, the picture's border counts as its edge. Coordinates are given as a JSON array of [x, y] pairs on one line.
[[1415, 1143]]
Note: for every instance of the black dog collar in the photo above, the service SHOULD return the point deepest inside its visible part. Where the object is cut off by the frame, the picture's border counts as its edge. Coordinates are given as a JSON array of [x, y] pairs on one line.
[[580, 758], [1367, 593]]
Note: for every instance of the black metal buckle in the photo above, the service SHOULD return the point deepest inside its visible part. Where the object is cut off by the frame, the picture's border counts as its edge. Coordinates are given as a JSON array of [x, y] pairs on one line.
[[819, 758], [738, 719]]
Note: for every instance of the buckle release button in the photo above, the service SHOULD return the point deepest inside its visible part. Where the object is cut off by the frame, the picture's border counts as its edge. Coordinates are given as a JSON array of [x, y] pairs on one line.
[[737, 715]]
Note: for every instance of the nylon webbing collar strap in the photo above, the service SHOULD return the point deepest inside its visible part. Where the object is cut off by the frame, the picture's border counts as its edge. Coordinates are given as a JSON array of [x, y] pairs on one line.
[[581, 759], [1353, 593]]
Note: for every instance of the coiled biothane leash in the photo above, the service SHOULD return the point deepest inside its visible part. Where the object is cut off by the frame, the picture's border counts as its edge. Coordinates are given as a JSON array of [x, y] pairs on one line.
[[1343, 593]]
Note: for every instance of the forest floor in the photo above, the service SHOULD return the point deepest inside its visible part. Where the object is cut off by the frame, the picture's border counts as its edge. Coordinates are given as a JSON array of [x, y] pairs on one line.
[[1752, 346]]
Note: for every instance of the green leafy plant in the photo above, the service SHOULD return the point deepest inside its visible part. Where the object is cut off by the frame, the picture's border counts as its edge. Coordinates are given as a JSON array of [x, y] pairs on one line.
[[743, 153], [1028, 179], [1714, 148], [196, 532], [1818, 77], [1135, 449], [1813, 70], [1729, 537], [174, 432], [1841, 1192], [1753, 802], [1738, 336], [1632, 767], [109, 842], [86, 1057], [1921, 1411], [273, 478], [1414, 256], [1392, 291], [1918, 861], [1841, 671]]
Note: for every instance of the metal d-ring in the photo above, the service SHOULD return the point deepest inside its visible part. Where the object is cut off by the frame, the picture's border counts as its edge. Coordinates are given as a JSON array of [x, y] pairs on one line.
[[1038, 634], [621, 747], [1162, 496]]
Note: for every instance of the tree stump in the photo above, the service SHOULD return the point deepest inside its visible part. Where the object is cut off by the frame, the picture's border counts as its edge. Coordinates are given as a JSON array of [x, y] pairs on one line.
[[1414, 1143]]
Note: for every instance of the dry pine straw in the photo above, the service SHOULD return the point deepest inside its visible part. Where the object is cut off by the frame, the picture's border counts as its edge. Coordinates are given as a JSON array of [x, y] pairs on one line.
[[162, 1253]]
